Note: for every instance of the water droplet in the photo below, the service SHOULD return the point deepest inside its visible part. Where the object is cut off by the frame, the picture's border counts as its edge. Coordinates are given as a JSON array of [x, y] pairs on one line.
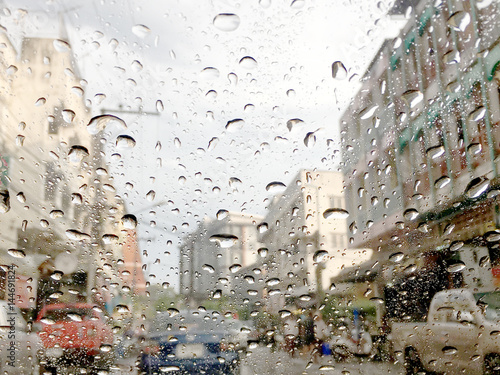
[[396, 257], [44, 223], [151, 195], [368, 112], [339, 71], [105, 348], [410, 214], [297, 4], [21, 197], [136, 66], [12, 69], [68, 115], [56, 214], [210, 73], [320, 256], [159, 106], [100, 123], [276, 187], [109, 239], [353, 227], [442, 182], [57, 275], [235, 267], [208, 268], [217, 294], [412, 98], [305, 297], [76, 198], [248, 62], [125, 142], [222, 214], [474, 149], [273, 281], [224, 240], [122, 308], [310, 139], [262, 228], [335, 213], [141, 31], [456, 245], [448, 229], [456, 267], [20, 140], [226, 21], [16, 253], [40, 102], [263, 251], [77, 153], [235, 125], [249, 279], [294, 123], [4, 201], [477, 187], [452, 57], [61, 45], [459, 20], [129, 221], [435, 151], [449, 350], [477, 115], [493, 237], [75, 235]]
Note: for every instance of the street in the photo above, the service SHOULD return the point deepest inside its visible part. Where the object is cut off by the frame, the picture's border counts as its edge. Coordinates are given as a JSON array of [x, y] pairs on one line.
[[261, 361]]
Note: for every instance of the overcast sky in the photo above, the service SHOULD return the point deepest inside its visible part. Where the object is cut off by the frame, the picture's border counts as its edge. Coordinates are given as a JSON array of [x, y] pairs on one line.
[[136, 53]]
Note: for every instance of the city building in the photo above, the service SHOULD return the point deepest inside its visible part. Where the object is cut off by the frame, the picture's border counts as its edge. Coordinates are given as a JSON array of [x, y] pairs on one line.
[[211, 256], [420, 157], [55, 189], [306, 237]]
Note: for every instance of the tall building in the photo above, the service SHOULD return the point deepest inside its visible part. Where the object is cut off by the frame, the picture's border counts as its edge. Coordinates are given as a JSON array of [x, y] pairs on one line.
[[211, 256], [421, 152], [56, 194]]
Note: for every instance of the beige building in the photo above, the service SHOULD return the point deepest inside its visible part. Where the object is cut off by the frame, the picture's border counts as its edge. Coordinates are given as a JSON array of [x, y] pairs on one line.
[[307, 236], [57, 195]]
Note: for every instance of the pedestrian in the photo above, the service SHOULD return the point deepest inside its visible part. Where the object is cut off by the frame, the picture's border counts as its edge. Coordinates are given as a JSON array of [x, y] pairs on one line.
[[309, 332]]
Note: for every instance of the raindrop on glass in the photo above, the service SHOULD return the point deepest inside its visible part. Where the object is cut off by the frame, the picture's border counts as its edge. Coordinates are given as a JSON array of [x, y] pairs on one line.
[[226, 21]]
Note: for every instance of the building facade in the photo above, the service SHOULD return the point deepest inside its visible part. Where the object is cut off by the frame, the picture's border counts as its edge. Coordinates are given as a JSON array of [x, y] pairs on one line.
[[421, 145], [212, 256], [306, 238]]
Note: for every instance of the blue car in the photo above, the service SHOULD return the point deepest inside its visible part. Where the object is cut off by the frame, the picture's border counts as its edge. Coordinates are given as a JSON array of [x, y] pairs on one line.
[[191, 342]]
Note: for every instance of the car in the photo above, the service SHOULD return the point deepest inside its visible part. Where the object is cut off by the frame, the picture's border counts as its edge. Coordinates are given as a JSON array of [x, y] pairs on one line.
[[19, 346], [74, 334], [189, 342]]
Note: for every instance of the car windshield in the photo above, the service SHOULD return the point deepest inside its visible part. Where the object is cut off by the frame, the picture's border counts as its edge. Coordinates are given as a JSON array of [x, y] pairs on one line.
[[269, 173], [490, 303]]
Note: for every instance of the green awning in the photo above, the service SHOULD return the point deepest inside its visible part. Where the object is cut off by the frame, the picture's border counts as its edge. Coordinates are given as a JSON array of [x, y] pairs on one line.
[[424, 19], [417, 126], [395, 58], [491, 61], [404, 138], [410, 41]]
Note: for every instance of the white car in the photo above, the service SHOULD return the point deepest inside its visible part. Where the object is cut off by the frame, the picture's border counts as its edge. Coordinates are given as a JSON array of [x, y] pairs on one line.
[[18, 347]]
